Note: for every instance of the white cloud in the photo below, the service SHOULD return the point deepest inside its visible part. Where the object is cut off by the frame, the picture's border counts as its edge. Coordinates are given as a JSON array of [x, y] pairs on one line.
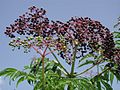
[[1, 82]]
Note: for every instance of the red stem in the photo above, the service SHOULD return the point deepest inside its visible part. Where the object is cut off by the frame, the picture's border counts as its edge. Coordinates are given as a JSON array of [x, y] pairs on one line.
[[37, 50], [50, 52]]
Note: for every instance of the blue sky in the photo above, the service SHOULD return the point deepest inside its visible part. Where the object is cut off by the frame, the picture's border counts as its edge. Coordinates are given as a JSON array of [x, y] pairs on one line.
[[105, 11]]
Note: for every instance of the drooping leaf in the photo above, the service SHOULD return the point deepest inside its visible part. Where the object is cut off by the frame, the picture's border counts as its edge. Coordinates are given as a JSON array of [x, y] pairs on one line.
[[7, 71], [59, 72], [15, 75], [117, 42], [107, 86], [116, 34], [117, 76], [30, 77], [26, 67], [111, 78], [99, 85], [38, 86], [54, 68], [20, 80], [106, 76]]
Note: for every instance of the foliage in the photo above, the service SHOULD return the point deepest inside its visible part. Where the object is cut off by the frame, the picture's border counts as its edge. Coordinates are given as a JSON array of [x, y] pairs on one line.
[[33, 75], [79, 39]]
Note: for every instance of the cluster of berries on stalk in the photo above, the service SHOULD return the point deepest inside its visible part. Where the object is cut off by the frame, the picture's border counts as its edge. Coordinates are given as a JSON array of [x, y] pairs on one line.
[[84, 33]]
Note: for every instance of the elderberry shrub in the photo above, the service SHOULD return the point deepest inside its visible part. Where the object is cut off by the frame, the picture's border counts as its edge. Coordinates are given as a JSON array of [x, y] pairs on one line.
[[85, 34]]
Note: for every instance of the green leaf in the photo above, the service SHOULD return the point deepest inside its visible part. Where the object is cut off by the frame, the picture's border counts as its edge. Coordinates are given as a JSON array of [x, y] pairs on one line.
[[99, 85], [38, 86], [87, 84], [117, 76], [12, 76], [31, 77], [117, 42], [26, 67], [54, 68], [7, 71], [107, 86], [106, 76], [117, 46], [19, 81], [59, 72], [62, 70], [116, 34], [111, 78], [16, 75]]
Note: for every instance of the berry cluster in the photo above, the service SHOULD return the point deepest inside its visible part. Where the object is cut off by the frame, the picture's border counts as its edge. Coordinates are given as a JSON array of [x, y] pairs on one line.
[[33, 23], [84, 33], [116, 56]]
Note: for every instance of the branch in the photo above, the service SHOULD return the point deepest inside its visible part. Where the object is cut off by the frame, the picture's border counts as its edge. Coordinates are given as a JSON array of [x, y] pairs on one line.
[[103, 72], [85, 70], [36, 50], [50, 52], [58, 61], [73, 62], [97, 63]]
